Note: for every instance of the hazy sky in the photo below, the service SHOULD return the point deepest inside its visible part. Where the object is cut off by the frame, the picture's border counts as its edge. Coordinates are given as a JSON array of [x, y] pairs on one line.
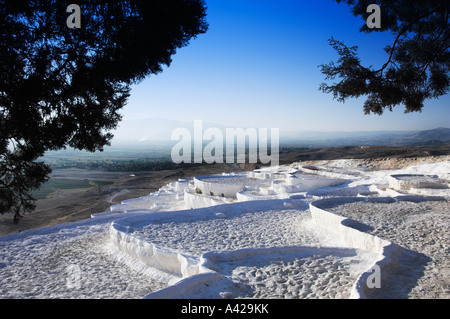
[[257, 66]]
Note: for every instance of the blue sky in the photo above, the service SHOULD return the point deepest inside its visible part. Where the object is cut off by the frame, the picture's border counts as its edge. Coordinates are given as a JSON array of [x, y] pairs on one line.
[[257, 66]]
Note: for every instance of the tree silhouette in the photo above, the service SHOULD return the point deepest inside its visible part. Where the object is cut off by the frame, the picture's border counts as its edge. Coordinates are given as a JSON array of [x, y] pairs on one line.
[[63, 87], [418, 61]]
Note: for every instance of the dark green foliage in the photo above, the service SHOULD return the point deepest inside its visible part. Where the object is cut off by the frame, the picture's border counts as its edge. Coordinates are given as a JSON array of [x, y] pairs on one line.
[[62, 87], [418, 61]]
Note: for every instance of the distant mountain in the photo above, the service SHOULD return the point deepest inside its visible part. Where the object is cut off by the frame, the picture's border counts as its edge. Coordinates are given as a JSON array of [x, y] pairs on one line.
[[149, 131], [142, 131], [154, 131], [437, 136]]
